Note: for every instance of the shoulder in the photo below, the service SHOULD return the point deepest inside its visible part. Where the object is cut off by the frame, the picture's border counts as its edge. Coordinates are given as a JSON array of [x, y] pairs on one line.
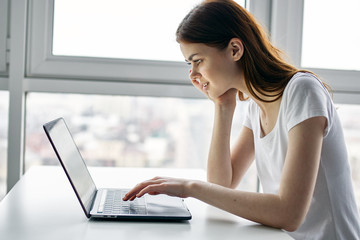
[[305, 97], [251, 114], [304, 81], [253, 109], [303, 86]]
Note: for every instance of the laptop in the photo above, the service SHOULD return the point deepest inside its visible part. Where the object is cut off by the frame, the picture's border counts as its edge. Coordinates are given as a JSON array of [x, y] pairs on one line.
[[107, 203]]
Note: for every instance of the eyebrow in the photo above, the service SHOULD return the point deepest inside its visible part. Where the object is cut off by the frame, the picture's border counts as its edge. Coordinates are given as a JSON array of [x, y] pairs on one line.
[[191, 57]]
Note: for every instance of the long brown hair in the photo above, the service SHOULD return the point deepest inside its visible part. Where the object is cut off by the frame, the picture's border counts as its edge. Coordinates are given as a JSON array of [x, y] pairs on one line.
[[216, 22]]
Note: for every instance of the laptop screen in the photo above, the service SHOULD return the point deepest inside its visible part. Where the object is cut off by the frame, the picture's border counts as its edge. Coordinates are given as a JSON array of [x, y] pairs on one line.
[[72, 162]]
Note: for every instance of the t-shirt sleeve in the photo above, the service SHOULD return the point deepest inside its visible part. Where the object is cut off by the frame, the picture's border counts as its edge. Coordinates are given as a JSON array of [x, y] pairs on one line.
[[247, 119], [306, 98]]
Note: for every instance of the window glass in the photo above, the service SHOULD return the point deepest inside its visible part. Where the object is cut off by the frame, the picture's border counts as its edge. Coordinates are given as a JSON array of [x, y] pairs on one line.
[[140, 29], [330, 34], [4, 113], [127, 131], [350, 115]]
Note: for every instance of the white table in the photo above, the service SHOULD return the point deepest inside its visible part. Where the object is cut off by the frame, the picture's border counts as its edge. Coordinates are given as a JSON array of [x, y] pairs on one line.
[[42, 205]]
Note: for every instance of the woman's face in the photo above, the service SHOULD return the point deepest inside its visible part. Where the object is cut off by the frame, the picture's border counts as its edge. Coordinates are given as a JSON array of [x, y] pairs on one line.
[[216, 70]]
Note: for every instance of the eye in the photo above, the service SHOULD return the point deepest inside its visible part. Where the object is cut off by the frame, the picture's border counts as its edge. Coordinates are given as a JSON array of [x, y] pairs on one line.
[[197, 62]]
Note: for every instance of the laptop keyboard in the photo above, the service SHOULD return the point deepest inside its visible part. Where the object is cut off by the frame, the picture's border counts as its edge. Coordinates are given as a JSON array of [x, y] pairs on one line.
[[112, 203]]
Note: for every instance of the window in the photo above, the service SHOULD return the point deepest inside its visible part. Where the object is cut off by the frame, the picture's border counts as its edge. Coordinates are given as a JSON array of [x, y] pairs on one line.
[[90, 58], [119, 29], [51, 66], [103, 30], [4, 113], [127, 131], [123, 131], [330, 34]]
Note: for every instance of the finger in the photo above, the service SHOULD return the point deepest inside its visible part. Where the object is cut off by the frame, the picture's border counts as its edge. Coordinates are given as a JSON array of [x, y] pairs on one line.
[[155, 188], [154, 193], [132, 198], [199, 87], [196, 84], [131, 195]]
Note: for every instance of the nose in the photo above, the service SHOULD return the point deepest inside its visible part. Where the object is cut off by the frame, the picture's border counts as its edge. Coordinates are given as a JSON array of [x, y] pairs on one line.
[[193, 74]]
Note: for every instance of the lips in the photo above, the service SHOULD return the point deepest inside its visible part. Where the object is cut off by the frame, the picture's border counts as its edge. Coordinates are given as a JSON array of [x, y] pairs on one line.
[[204, 85]]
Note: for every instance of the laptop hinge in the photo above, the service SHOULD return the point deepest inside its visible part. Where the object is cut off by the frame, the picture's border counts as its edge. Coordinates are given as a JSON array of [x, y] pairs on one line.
[[93, 199]]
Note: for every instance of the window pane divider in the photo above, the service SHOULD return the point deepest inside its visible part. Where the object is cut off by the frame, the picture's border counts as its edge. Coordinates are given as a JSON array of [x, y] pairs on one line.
[[110, 88], [4, 83], [3, 35]]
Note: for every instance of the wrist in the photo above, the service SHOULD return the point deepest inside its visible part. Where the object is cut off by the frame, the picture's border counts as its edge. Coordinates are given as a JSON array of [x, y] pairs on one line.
[[225, 108], [191, 188]]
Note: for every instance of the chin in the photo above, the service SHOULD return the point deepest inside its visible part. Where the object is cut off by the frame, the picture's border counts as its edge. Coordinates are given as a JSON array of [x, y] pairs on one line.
[[216, 94], [211, 95]]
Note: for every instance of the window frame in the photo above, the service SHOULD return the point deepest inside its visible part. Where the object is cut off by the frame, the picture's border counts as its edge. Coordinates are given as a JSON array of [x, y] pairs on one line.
[[41, 62], [286, 33], [284, 20], [3, 38]]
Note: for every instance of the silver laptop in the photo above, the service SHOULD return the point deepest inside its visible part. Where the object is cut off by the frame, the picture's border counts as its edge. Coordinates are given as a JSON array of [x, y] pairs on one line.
[[107, 203]]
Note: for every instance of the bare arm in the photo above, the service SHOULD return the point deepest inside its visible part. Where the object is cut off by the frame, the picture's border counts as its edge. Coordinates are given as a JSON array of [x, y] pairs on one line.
[[242, 155], [219, 169], [288, 208], [285, 210], [226, 167]]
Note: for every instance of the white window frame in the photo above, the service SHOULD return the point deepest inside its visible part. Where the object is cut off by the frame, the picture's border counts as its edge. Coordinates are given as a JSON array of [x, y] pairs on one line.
[[283, 18], [85, 74], [32, 67], [17, 43], [3, 39], [286, 33]]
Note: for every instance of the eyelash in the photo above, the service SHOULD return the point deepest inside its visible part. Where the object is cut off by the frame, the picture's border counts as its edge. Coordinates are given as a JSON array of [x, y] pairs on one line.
[[197, 62]]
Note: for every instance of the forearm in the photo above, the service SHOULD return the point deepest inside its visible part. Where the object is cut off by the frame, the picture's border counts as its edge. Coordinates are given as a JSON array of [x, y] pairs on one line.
[[267, 209], [219, 163]]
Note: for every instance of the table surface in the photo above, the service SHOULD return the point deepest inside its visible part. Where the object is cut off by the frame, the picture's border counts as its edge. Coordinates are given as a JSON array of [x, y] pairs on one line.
[[42, 205]]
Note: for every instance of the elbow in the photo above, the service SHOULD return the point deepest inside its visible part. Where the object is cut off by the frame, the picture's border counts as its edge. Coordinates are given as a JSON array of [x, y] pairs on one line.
[[291, 216], [291, 227], [219, 181], [291, 223], [222, 183], [287, 225]]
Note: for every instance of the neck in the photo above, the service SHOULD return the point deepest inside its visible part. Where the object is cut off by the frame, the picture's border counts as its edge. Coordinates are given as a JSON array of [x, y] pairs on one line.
[[266, 107]]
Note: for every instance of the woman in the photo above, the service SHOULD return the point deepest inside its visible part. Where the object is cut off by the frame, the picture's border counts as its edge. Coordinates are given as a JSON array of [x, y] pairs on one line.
[[291, 129]]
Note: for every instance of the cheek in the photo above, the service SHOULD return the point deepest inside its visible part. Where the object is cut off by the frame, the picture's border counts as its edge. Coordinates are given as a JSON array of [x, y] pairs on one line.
[[213, 74], [219, 69], [218, 87]]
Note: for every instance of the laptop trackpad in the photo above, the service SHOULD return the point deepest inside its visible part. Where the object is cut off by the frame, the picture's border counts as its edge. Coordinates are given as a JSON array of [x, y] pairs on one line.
[[165, 205]]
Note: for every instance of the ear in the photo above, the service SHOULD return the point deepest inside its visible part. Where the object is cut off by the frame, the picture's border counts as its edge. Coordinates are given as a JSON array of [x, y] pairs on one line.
[[236, 48]]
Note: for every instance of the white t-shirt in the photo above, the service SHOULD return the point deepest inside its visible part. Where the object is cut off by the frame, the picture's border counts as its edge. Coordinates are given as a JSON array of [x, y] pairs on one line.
[[333, 213]]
